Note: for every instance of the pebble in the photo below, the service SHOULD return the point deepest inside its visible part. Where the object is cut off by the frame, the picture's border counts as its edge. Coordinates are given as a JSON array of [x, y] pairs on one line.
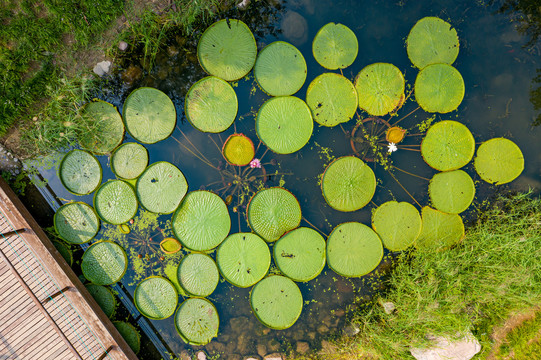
[[322, 329], [351, 329], [274, 356], [102, 68], [261, 349], [252, 357], [200, 355], [388, 307], [302, 347], [122, 46]]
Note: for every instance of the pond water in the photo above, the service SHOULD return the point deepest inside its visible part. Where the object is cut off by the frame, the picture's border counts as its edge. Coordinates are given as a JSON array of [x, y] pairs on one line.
[[498, 72]]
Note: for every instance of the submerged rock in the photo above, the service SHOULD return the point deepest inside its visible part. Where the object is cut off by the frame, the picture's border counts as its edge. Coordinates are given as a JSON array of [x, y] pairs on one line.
[[443, 348], [302, 347], [274, 356], [351, 329]]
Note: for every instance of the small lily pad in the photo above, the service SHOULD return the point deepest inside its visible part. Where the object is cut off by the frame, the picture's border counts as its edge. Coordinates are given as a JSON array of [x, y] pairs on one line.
[[64, 251], [130, 334], [197, 321], [238, 150], [104, 263], [439, 88], [104, 297], [106, 128], [380, 88], [439, 229], [170, 245], [129, 160], [115, 202], [335, 46], [499, 161], [451, 191], [398, 224], [79, 172], [76, 223], [395, 134], [198, 274], [156, 298]]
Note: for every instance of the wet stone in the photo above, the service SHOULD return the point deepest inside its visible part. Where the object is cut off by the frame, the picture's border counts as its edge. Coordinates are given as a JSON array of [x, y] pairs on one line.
[[239, 324], [251, 357], [184, 355], [200, 355], [339, 312], [298, 335], [273, 345], [274, 356], [351, 329], [261, 349], [243, 344], [215, 347], [234, 357], [302, 347], [132, 74], [322, 329], [312, 335]]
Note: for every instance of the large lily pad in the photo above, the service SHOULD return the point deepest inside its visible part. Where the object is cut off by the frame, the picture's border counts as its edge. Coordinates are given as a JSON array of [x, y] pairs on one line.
[[161, 187], [451, 191], [64, 251], [284, 124], [272, 212], [439, 88], [198, 274], [243, 259], [211, 105], [300, 254], [156, 298], [238, 150], [76, 223], [432, 41], [439, 229], [348, 184], [227, 49], [197, 321], [104, 297], [129, 160], [277, 302], [332, 99], [280, 69], [398, 224], [202, 221], [107, 128], [380, 88], [353, 249], [104, 263], [115, 202], [130, 334], [79, 172], [335, 46], [448, 145], [499, 161], [150, 115]]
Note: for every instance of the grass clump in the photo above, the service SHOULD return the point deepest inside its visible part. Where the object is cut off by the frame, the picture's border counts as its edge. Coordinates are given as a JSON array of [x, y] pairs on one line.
[[523, 342]]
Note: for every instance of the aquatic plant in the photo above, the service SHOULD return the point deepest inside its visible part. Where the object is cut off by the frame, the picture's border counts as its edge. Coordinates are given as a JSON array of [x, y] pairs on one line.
[[499, 161], [197, 321], [76, 223], [398, 224], [130, 334], [129, 160], [239, 150], [80, 172], [156, 298], [108, 128], [335, 46], [115, 202], [104, 297], [198, 274], [104, 263]]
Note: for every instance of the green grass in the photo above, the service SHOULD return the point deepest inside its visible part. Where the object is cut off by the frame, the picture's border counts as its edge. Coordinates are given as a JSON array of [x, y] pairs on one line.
[[523, 342]]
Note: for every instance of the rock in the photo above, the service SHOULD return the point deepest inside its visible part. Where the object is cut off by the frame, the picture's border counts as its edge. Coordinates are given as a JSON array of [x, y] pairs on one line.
[[102, 68], [339, 312], [215, 347], [261, 350], [351, 329], [251, 357], [298, 335], [274, 356], [322, 329], [302, 347], [295, 28], [234, 357], [184, 355], [132, 74], [243, 344], [312, 335], [388, 307], [243, 5], [443, 348], [200, 355], [273, 345], [122, 46], [239, 324], [328, 347]]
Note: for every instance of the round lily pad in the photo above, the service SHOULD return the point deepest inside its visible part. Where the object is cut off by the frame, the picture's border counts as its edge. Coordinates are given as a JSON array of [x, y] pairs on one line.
[[243, 259], [451, 191], [300, 254], [129, 160], [197, 321], [395, 134], [348, 184], [448, 145], [198, 274], [284, 124], [64, 251], [432, 41], [332, 98], [106, 128], [280, 69], [170, 245], [353, 249], [380, 88], [79, 172], [499, 161], [104, 263], [277, 302], [115, 202], [104, 297], [272, 212], [439, 88], [439, 229], [335, 46], [202, 221], [398, 224], [161, 187], [156, 298], [76, 223], [130, 334], [238, 150], [227, 49], [150, 115], [211, 105]]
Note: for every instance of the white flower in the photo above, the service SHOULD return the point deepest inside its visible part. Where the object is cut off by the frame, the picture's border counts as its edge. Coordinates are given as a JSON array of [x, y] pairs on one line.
[[392, 147]]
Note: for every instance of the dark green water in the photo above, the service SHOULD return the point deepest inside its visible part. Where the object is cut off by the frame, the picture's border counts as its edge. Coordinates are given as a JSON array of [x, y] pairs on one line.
[[498, 72]]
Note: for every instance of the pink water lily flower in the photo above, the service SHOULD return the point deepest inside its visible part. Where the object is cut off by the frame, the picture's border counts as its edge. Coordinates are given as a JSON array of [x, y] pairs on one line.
[[255, 163]]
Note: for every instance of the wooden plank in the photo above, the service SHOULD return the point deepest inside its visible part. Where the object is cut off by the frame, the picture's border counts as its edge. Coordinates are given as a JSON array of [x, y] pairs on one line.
[[25, 312], [11, 301], [28, 332], [61, 354]]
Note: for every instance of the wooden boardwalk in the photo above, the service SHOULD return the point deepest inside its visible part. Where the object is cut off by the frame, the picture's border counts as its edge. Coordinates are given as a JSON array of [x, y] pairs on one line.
[[45, 311]]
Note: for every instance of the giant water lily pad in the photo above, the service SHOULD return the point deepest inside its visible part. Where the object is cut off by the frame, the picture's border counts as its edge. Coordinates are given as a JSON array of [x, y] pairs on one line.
[[64, 251], [280, 69], [161, 187], [130, 334], [439, 229], [284, 124], [156, 298], [353, 249], [129, 160], [332, 99], [300, 254], [348, 184], [439, 88], [277, 302], [335, 46], [197, 321], [499, 161], [451, 191], [243, 259], [398, 224], [227, 49], [106, 128], [380, 88], [104, 263], [104, 297], [150, 115], [448, 145], [238, 150], [198, 274], [202, 221], [273, 212], [79, 172], [211, 105], [115, 202], [432, 41], [76, 223]]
